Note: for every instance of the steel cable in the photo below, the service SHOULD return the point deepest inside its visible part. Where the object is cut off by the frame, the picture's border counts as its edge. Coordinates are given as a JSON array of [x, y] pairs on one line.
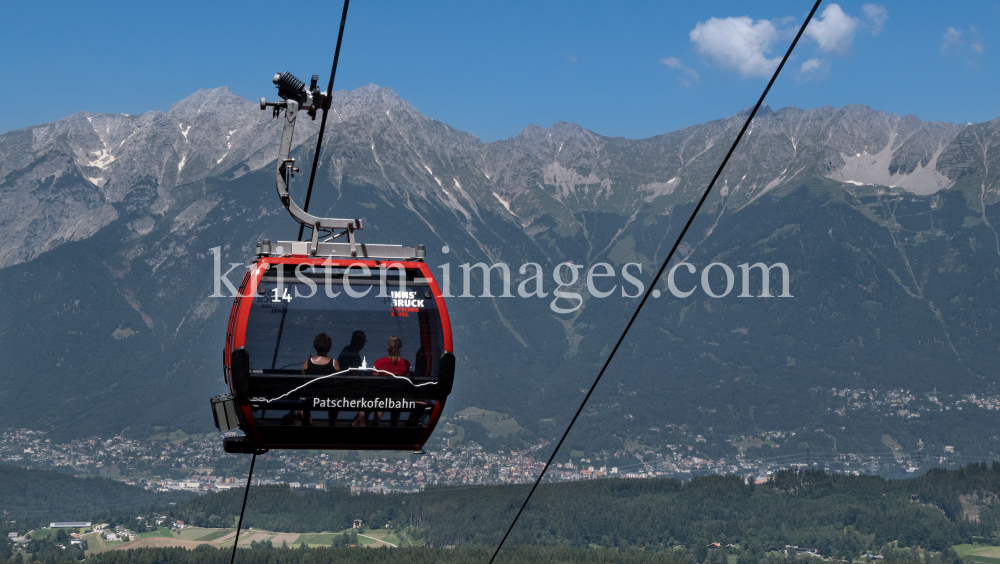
[[659, 274], [322, 124], [239, 524]]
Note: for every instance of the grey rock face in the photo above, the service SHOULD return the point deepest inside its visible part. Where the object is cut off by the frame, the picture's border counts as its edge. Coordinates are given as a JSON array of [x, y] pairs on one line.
[[147, 196], [66, 180]]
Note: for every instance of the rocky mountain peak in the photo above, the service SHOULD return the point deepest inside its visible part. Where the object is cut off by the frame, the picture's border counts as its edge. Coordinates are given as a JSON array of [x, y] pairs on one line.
[[208, 99], [763, 111], [131, 162]]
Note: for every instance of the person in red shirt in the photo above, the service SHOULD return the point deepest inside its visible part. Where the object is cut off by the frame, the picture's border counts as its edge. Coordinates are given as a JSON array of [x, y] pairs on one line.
[[392, 364]]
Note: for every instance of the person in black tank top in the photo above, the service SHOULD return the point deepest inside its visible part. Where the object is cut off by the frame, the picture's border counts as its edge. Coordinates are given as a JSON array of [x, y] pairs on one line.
[[320, 364], [317, 368]]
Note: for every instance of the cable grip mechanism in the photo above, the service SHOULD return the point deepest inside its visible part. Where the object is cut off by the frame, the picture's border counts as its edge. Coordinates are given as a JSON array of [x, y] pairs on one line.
[[291, 88]]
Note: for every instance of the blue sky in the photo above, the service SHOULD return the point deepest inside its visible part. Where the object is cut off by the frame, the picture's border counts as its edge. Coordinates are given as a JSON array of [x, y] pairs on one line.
[[632, 69]]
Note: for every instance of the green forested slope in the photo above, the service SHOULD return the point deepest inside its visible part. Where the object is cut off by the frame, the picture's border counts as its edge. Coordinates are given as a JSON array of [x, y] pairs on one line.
[[37, 497], [839, 515], [520, 554]]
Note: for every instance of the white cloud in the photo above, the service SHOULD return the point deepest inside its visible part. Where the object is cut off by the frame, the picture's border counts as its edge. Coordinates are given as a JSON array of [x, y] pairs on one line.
[[834, 31], [951, 39], [955, 42], [876, 15], [744, 45], [688, 76], [814, 69], [738, 43], [811, 65], [976, 46]]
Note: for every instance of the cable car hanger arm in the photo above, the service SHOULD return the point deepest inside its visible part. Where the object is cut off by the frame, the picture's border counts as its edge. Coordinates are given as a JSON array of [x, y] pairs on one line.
[[295, 97]]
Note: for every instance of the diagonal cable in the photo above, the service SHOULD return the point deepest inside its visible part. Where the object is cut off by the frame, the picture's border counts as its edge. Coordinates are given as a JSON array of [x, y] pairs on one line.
[[326, 106], [246, 493], [658, 274]]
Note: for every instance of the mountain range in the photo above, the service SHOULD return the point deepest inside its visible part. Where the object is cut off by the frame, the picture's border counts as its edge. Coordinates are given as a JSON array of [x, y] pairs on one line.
[[885, 223]]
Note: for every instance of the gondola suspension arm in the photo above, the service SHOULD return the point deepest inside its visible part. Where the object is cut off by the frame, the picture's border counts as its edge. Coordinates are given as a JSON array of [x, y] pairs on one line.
[[295, 98]]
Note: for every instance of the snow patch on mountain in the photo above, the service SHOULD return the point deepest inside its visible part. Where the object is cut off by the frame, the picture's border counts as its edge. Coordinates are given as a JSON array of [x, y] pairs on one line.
[[101, 159], [873, 168], [566, 180], [143, 225], [657, 189], [506, 204]]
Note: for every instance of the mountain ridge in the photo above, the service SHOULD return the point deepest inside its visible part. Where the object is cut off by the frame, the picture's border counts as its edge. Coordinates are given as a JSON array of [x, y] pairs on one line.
[[148, 155], [121, 301]]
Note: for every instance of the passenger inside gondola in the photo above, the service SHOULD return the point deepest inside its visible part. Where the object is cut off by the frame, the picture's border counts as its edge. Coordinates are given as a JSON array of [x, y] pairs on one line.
[[405, 369], [387, 366], [393, 363], [350, 357], [321, 363]]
